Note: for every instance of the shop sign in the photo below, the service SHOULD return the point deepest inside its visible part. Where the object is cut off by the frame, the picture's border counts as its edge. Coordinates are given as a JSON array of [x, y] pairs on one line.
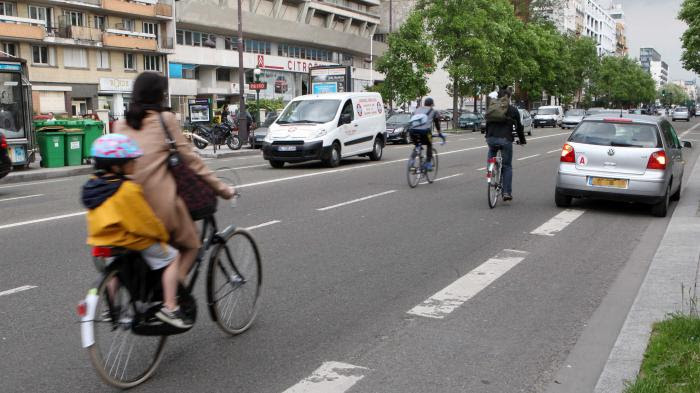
[[257, 86], [116, 85], [286, 63]]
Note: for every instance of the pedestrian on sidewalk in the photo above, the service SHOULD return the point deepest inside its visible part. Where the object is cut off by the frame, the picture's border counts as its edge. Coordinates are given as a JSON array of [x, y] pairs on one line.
[[144, 123]]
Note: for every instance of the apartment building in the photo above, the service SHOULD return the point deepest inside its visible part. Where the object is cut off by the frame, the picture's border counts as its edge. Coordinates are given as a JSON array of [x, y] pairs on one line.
[[616, 12], [282, 38], [83, 55], [600, 26]]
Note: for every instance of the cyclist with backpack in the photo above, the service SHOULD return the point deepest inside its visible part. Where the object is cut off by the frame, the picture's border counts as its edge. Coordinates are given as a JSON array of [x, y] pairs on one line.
[[501, 116], [421, 124]]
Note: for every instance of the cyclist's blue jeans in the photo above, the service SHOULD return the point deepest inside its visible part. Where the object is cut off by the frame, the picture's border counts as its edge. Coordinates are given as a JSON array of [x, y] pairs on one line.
[[507, 154]]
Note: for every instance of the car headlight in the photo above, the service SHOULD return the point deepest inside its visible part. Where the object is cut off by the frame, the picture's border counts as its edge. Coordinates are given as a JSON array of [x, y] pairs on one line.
[[320, 133], [397, 130]]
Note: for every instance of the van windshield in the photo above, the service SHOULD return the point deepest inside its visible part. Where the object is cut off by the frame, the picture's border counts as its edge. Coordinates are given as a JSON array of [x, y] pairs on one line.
[[309, 111], [617, 134], [547, 111]]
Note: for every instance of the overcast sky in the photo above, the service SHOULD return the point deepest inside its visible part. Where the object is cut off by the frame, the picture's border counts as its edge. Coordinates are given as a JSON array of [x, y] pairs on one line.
[[654, 23]]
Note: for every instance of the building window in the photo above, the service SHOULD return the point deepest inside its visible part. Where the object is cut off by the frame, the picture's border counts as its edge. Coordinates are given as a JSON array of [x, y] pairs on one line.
[[150, 28], [42, 55], [76, 18], [188, 38], [223, 74], [128, 24], [75, 57], [151, 63], [102, 60], [10, 48], [8, 9], [196, 38], [129, 63], [180, 37], [100, 22], [256, 46], [189, 73], [40, 13]]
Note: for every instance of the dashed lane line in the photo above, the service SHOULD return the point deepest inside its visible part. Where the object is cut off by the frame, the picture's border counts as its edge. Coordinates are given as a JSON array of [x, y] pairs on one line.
[[21, 197], [553, 151], [356, 200], [18, 289], [45, 219], [34, 183], [466, 287], [525, 158], [335, 377], [444, 178], [558, 223], [265, 224]]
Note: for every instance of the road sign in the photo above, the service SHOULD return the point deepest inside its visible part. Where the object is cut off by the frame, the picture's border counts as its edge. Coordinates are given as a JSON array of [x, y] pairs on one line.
[[257, 86]]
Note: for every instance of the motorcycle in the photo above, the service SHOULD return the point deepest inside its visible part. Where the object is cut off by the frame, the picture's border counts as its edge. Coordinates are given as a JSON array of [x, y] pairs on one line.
[[216, 136]]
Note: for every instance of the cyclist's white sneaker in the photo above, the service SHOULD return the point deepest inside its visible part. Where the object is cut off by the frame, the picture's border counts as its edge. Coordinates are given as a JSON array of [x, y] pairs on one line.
[[507, 197], [174, 317]]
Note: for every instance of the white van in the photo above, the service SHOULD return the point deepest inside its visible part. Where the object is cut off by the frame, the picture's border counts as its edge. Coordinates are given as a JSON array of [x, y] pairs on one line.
[[327, 127], [548, 116]]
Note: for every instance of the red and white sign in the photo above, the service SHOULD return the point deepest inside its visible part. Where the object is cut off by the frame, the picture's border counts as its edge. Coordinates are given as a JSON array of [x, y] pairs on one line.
[[368, 106], [582, 160], [269, 62]]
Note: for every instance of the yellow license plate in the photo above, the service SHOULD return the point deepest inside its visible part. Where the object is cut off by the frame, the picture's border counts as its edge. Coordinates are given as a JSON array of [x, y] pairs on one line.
[[605, 182]]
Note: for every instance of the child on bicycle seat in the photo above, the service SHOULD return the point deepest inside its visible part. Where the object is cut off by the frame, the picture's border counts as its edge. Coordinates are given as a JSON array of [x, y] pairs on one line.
[[119, 216]]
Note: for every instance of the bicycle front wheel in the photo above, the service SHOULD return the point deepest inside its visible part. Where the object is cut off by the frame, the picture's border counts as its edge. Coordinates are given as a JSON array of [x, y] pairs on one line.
[[413, 170], [122, 359], [495, 182], [234, 280], [432, 175]]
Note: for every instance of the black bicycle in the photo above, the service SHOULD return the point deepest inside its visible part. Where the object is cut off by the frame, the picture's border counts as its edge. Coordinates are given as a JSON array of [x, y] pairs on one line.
[[125, 340], [416, 164]]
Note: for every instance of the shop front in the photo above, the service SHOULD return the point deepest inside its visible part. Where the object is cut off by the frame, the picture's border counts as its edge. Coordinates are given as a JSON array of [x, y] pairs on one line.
[[114, 95]]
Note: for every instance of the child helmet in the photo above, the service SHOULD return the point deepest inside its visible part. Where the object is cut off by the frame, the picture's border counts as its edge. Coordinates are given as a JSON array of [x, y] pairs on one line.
[[115, 147]]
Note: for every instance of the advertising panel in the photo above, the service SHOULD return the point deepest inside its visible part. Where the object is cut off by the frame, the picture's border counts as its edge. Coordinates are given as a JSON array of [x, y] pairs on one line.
[[330, 79], [200, 110]]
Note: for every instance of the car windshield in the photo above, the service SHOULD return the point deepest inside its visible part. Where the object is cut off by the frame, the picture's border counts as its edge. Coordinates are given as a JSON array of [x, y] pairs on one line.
[[269, 120], [401, 118], [469, 116], [575, 112], [681, 109], [309, 111], [617, 134], [547, 111]]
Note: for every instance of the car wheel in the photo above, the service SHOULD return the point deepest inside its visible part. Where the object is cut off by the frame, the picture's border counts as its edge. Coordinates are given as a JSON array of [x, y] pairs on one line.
[[677, 195], [334, 159], [562, 200], [377, 151], [661, 209], [529, 133], [276, 164]]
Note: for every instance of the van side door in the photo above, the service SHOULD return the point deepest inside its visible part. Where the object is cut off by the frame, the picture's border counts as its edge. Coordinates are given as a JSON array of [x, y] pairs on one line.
[[347, 128]]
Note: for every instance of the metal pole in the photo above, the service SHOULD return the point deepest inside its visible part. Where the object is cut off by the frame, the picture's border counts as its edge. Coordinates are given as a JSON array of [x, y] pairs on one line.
[[391, 16], [371, 59], [242, 118]]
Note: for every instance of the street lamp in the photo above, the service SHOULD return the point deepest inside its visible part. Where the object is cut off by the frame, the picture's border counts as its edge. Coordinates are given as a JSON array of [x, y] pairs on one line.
[[257, 71]]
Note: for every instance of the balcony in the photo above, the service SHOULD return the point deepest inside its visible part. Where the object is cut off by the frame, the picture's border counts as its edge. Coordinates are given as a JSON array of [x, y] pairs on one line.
[[24, 28], [142, 8], [131, 40]]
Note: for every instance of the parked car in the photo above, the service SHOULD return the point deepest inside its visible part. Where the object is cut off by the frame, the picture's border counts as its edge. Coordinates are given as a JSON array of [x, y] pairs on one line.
[[526, 121], [257, 136], [631, 158], [470, 121], [680, 113], [5, 161], [549, 116], [445, 115], [397, 128], [572, 117]]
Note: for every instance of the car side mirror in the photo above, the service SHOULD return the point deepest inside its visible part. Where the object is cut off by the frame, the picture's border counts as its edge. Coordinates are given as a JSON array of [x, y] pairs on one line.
[[345, 118], [688, 144]]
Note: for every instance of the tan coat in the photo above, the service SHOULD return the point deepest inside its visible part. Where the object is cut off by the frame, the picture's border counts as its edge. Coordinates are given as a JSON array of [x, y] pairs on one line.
[[159, 184]]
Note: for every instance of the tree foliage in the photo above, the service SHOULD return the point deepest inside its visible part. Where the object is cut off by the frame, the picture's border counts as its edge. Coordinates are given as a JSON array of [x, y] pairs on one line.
[[672, 94], [621, 82], [407, 63], [690, 14]]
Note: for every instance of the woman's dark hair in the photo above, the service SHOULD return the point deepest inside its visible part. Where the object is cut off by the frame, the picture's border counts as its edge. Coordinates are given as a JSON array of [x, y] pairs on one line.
[[148, 94], [106, 164]]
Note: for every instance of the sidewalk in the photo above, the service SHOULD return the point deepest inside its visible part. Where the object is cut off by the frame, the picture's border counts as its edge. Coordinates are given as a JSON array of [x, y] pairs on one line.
[[672, 277], [225, 152]]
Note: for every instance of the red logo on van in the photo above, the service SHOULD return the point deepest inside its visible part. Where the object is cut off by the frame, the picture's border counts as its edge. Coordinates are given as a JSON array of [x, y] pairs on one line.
[[359, 110]]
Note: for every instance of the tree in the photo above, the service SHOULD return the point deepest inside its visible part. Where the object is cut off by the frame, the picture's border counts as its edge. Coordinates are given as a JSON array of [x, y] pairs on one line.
[[690, 14], [672, 94], [407, 62], [621, 82]]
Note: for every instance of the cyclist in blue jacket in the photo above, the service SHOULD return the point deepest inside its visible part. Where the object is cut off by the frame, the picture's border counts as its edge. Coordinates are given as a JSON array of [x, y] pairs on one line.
[[421, 128]]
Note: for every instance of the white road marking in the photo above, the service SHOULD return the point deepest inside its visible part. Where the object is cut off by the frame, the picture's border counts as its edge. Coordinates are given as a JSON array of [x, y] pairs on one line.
[[466, 287], [690, 130], [18, 289], [240, 167], [553, 151], [53, 218], [525, 158], [443, 178], [331, 377], [466, 139], [32, 183], [356, 200], [22, 197], [265, 224], [481, 169], [558, 222]]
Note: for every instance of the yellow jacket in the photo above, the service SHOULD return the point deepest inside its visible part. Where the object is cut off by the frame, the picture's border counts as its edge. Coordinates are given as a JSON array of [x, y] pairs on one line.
[[125, 220]]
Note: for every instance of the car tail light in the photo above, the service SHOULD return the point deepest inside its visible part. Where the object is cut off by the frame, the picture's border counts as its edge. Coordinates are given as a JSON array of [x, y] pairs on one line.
[[657, 160], [101, 252], [3, 142], [568, 154]]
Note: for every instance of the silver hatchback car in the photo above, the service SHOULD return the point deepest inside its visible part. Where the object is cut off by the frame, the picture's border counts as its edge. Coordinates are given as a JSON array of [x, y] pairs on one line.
[[632, 158], [680, 113]]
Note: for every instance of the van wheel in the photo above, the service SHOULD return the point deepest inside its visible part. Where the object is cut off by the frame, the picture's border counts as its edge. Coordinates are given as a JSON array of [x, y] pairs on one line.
[[276, 164], [562, 200], [334, 159], [378, 150], [661, 208]]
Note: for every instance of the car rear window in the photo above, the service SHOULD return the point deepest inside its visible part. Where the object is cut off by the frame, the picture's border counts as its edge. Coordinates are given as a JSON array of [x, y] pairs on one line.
[[617, 134]]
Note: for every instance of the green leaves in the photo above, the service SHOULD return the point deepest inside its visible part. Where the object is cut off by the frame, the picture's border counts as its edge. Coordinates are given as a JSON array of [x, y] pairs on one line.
[[672, 94], [690, 14], [621, 81]]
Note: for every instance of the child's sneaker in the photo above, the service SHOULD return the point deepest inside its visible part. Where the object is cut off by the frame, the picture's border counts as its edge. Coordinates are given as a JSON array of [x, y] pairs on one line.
[[174, 318]]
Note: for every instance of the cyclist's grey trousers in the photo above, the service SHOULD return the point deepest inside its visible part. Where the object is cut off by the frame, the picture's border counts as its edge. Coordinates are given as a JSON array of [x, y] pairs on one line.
[[507, 154]]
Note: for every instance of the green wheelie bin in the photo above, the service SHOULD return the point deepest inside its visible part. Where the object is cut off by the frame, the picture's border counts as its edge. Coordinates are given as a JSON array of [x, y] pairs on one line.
[[51, 146], [74, 147], [93, 130]]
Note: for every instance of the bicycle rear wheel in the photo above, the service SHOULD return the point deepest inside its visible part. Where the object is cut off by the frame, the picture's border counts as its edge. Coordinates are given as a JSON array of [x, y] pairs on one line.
[[432, 175], [414, 170], [122, 359], [494, 183], [234, 280]]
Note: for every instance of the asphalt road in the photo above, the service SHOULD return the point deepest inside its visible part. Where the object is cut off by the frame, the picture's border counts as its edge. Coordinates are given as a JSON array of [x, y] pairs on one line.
[[344, 283]]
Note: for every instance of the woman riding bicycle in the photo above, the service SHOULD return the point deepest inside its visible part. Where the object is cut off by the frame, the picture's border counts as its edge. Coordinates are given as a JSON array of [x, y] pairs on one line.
[[143, 124]]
